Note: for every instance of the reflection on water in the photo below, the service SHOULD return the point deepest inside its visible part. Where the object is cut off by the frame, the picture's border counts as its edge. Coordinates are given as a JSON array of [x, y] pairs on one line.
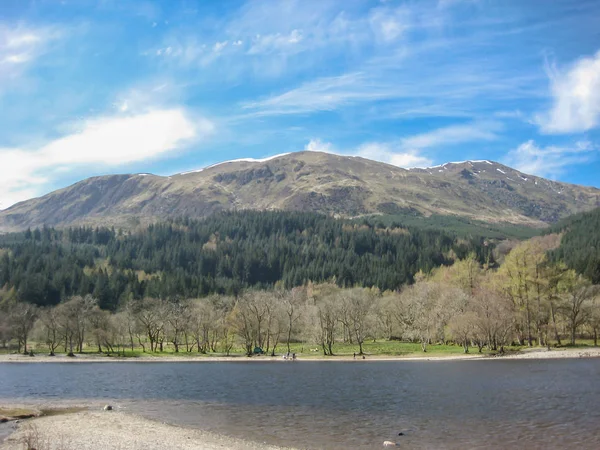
[[461, 404]]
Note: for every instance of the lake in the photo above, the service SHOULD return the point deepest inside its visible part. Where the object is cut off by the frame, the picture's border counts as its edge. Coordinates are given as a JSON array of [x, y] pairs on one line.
[[334, 405]]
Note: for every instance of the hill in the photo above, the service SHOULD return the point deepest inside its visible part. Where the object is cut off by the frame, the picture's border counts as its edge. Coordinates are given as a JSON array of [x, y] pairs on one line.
[[311, 182]]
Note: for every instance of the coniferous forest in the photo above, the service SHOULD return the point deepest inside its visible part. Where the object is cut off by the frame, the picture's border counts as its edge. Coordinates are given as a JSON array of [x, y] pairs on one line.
[[223, 254], [580, 244]]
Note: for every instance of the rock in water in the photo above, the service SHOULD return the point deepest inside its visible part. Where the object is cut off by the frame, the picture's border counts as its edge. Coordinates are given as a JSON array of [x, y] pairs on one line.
[[108, 408]]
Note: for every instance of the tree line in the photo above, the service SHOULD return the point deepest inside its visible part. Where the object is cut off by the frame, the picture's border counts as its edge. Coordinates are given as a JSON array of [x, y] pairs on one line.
[[528, 299]]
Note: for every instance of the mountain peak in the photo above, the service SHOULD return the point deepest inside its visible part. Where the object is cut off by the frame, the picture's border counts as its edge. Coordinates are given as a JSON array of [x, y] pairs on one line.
[[308, 181]]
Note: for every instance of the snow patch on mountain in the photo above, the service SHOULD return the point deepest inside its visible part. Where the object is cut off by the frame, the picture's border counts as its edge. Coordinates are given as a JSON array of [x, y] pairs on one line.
[[252, 160], [470, 162]]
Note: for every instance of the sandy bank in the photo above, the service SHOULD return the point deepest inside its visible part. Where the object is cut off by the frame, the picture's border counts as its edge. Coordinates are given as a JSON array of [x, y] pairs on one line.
[[534, 353], [555, 353], [97, 429]]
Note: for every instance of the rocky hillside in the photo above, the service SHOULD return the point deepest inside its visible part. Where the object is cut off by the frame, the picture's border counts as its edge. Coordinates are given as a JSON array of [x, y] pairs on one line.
[[309, 181]]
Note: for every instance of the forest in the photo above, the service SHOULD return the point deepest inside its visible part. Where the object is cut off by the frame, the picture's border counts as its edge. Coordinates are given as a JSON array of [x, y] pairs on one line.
[[471, 293], [527, 301], [224, 254]]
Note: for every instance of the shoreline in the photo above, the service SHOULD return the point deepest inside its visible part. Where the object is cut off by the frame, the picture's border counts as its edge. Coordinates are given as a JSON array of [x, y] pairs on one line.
[[95, 428], [533, 353]]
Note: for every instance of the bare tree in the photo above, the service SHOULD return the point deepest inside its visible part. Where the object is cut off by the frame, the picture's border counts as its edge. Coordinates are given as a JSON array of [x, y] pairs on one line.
[[100, 327], [75, 313], [384, 310], [494, 316], [293, 302], [328, 317], [241, 320], [149, 314], [50, 328], [462, 329], [421, 324], [177, 321], [357, 304], [22, 317], [121, 327]]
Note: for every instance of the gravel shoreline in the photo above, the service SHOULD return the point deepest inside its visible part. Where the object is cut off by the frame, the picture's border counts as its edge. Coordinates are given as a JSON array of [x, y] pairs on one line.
[[92, 430], [533, 353]]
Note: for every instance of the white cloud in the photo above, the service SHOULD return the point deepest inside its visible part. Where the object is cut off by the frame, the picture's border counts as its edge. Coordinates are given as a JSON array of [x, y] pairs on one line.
[[576, 98], [376, 151], [317, 145], [386, 153], [408, 152], [104, 141], [549, 161]]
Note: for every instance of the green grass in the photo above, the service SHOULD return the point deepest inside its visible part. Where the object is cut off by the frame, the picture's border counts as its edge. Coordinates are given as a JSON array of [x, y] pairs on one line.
[[311, 350], [382, 348]]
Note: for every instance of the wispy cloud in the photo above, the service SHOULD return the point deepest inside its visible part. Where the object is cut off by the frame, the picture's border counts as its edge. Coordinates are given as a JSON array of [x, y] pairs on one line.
[[104, 141], [324, 94], [291, 37], [454, 134], [576, 97], [550, 161], [457, 91], [22, 44], [275, 42]]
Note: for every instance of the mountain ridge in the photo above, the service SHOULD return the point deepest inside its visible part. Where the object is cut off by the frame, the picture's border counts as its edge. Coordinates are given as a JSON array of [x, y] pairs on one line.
[[308, 181]]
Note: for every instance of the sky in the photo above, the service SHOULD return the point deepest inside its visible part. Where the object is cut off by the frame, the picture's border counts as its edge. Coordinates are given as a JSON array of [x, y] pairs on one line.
[[98, 87]]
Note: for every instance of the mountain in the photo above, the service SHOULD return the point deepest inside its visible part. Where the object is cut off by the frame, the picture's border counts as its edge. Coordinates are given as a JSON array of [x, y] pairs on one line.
[[309, 181]]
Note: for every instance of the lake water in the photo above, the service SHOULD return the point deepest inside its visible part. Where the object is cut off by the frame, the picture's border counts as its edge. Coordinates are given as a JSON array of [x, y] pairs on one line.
[[333, 405]]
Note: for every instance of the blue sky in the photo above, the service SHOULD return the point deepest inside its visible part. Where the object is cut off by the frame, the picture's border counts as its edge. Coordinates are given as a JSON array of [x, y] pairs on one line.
[[114, 86]]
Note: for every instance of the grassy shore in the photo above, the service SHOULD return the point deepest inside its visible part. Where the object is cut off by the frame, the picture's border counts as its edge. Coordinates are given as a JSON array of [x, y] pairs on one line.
[[378, 352], [378, 348]]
